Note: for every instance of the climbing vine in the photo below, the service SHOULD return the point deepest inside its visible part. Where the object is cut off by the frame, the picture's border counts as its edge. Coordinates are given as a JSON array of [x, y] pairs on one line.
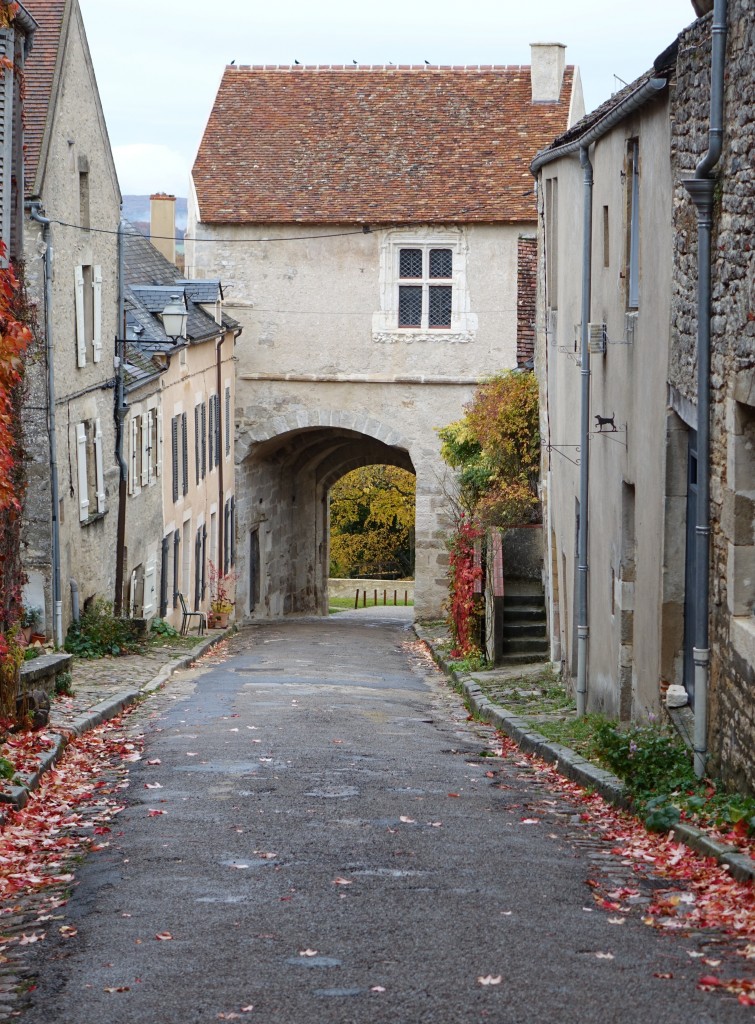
[[15, 338], [464, 573]]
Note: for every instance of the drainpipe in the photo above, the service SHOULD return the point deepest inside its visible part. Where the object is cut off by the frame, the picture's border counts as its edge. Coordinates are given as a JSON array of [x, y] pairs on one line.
[[120, 416], [583, 622], [57, 598], [221, 453], [75, 611], [701, 189]]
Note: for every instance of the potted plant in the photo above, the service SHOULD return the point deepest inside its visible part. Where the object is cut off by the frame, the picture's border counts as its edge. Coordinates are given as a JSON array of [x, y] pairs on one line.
[[222, 590], [29, 621]]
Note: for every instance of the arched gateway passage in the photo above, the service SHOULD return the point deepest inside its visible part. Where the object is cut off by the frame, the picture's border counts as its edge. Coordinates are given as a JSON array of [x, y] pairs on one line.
[[286, 465]]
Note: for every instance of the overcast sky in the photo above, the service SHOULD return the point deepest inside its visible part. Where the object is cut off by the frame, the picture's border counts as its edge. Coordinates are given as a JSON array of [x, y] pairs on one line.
[[158, 65]]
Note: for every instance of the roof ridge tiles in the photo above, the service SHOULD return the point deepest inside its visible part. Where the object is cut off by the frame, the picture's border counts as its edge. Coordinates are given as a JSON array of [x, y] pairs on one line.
[[377, 67]]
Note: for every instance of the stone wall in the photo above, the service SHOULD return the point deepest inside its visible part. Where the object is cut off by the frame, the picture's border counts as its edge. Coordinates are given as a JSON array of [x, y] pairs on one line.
[[732, 640]]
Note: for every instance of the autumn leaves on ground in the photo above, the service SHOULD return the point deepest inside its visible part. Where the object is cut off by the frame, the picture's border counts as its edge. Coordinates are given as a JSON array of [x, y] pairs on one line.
[[76, 807]]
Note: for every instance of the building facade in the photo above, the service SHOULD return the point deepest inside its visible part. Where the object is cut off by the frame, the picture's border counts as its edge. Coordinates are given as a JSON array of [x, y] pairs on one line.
[[368, 225]]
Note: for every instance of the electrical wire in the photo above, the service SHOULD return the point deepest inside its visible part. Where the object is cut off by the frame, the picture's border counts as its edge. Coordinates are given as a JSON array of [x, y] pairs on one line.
[[214, 241]]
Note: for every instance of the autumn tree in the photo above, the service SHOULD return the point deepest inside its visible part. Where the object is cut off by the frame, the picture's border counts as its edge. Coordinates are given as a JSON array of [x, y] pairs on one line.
[[372, 523], [495, 449]]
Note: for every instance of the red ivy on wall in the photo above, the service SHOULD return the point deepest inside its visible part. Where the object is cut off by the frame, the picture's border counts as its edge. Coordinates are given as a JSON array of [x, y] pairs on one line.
[[463, 574], [15, 338]]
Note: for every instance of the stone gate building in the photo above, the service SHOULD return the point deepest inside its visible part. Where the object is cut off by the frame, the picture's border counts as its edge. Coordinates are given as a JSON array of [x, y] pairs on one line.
[[372, 227]]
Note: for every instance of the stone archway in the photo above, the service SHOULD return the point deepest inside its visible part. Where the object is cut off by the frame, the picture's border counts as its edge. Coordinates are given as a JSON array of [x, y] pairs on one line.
[[283, 518]]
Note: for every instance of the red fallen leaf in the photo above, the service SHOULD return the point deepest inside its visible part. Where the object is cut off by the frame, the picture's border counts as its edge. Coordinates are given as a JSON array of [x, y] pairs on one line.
[[102, 830], [746, 1000], [489, 775], [163, 936], [342, 881], [709, 981], [152, 813], [663, 974], [120, 988], [27, 940], [67, 931], [452, 794], [154, 760]]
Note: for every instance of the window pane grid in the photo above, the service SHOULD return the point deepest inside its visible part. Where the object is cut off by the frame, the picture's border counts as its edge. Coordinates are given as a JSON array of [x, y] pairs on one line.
[[439, 313], [441, 263], [410, 306], [410, 263]]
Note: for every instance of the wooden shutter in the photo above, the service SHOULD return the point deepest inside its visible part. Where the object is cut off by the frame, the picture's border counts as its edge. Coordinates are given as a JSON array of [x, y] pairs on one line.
[[204, 440], [217, 429], [176, 565], [174, 443], [227, 420], [165, 554], [97, 314], [198, 441], [99, 467], [159, 441], [81, 339], [232, 530], [81, 463], [185, 447], [204, 560], [210, 433], [197, 569], [226, 549], [6, 138], [148, 600], [145, 445], [133, 433]]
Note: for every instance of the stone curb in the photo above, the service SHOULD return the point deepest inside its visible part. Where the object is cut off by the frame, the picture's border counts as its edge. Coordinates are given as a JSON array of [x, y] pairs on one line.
[[576, 768], [18, 795]]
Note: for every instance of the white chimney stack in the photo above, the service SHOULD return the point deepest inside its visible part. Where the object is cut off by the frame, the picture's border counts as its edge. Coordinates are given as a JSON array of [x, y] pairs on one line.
[[547, 71]]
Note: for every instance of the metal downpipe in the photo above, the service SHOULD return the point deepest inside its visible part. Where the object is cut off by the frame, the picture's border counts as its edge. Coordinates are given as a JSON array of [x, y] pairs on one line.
[[701, 189], [57, 597], [583, 626], [120, 416]]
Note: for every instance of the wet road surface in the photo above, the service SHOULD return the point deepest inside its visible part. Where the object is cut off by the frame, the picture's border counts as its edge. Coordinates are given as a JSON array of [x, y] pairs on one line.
[[333, 845]]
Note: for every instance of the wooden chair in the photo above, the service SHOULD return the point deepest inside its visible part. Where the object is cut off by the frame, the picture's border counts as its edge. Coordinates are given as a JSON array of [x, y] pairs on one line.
[[188, 616]]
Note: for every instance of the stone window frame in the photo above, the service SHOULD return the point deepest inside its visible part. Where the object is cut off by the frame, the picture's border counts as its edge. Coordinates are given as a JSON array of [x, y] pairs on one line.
[[385, 327]]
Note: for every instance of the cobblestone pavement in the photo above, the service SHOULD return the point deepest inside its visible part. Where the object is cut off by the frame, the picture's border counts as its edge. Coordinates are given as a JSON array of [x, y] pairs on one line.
[[101, 679]]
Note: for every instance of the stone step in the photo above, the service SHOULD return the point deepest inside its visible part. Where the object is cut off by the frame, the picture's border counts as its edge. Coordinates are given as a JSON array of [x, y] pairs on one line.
[[516, 629], [524, 613], [536, 598], [512, 660], [526, 645]]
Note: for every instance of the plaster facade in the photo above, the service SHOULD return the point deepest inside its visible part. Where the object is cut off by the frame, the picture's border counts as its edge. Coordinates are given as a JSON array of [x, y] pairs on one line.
[[327, 382], [628, 384], [75, 183]]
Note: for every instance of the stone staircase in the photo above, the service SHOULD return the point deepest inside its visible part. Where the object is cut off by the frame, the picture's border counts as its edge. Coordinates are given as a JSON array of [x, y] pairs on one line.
[[525, 638]]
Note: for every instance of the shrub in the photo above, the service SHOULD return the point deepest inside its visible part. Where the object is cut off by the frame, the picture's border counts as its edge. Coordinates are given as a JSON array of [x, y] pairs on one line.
[[651, 759], [98, 633]]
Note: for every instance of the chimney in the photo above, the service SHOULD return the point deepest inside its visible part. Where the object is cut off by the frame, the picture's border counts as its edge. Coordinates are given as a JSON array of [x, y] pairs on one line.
[[547, 71], [162, 224]]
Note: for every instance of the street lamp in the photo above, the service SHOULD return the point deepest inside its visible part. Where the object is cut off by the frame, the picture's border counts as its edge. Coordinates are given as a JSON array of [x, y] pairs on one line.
[[174, 318]]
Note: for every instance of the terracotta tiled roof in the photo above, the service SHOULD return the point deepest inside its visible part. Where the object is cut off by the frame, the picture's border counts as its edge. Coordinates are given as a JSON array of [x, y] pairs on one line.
[[395, 144], [40, 74]]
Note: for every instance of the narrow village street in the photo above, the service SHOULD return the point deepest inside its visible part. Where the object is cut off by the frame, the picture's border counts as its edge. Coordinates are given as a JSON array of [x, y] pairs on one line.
[[315, 832]]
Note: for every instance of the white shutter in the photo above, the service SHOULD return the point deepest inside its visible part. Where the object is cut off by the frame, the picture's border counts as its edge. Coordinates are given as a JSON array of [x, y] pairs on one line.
[[145, 448], [81, 462], [97, 314], [132, 602], [148, 604], [132, 455], [159, 441], [81, 341], [99, 466]]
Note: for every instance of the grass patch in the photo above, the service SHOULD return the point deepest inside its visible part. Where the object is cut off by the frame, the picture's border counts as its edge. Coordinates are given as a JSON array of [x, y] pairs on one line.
[[340, 604]]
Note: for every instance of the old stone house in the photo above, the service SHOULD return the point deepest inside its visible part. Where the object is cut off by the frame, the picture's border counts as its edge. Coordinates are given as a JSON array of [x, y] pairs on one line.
[[70, 246], [617, 357], [179, 436], [369, 225]]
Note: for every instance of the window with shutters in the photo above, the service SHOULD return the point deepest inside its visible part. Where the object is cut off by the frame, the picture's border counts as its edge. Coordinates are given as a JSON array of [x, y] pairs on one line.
[[88, 304], [174, 455], [90, 466], [633, 224], [135, 453], [423, 287], [184, 455], [213, 438]]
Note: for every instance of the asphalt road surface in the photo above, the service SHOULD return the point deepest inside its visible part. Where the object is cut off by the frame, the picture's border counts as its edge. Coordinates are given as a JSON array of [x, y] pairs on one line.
[[334, 849]]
